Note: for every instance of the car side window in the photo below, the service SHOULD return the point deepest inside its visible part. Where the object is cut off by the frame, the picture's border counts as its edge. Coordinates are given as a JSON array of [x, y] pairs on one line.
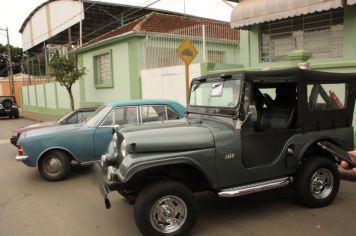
[[153, 113], [83, 115], [172, 115], [109, 121], [73, 119], [323, 97], [125, 115]]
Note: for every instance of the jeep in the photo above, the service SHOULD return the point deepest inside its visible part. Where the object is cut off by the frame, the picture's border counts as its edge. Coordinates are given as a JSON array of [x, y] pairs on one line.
[[8, 107], [244, 132]]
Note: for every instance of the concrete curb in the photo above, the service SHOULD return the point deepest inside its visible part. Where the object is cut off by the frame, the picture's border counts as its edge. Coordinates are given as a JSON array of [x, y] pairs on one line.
[[39, 116]]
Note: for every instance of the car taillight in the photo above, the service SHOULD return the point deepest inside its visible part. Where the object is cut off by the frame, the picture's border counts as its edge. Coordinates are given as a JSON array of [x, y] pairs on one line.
[[19, 150]]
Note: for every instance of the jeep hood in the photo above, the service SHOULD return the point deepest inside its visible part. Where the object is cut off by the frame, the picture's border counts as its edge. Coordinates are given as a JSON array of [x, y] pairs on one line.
[[168, 136]]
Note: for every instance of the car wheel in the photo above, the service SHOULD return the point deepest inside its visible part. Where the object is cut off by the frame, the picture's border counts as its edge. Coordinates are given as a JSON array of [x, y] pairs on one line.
[[16, 116], [165, 208], [54, 166], [7, 103], [317, 181]]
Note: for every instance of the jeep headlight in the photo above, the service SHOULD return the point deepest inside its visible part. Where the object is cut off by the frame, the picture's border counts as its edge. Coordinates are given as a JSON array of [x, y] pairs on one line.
[[123, 148]]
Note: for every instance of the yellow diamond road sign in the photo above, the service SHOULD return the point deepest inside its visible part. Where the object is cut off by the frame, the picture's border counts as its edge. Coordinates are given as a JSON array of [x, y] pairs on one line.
[[187, 51]]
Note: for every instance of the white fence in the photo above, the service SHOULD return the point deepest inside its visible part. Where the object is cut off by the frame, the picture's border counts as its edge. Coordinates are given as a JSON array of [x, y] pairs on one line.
[[215, 43]]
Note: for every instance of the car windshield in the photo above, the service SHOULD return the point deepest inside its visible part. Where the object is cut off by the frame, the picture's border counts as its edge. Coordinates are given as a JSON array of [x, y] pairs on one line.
[[98, 116], [222, 93]]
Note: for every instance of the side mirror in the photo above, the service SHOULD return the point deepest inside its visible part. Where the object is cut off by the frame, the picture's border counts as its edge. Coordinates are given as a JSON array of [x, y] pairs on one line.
[[252, 112]]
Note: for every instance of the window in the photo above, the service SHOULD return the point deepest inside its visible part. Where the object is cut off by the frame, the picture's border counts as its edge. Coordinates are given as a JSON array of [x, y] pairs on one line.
[[73, 119], [319, 33], [103, 71], [153, 113], [322, 97], [216, 56], [172, 115], [215, 93], [122, 116]]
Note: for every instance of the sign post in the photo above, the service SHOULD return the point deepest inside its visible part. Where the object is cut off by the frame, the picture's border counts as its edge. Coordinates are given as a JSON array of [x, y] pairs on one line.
[[187, 52]]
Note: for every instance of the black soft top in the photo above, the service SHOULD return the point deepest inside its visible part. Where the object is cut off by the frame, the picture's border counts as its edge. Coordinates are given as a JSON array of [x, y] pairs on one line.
[[298, 74]]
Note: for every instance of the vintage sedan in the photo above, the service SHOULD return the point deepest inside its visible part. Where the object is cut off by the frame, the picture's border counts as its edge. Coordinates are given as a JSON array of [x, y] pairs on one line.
[[77, 116], [52, 150]]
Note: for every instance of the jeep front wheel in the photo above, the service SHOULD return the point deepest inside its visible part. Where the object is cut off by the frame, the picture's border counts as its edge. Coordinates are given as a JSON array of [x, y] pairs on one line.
[[165, 208], [54, 166], [317, 182]]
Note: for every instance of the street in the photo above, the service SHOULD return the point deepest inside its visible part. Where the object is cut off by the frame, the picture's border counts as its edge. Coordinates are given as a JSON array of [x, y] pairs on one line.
[[30, 206]]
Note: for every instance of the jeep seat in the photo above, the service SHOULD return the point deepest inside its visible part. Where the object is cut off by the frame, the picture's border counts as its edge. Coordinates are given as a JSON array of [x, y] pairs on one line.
[[279, 115]]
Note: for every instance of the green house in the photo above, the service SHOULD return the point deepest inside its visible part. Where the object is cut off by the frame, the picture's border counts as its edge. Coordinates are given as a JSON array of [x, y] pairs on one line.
[[315, 34], [114, 60]]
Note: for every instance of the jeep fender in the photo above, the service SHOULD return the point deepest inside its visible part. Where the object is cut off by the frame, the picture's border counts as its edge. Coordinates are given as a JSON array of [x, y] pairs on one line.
[[312, 144], [147, 165]]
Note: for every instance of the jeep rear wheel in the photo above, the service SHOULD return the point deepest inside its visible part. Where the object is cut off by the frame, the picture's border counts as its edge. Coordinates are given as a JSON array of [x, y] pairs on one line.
[[317, 181], [54, 166], [165, 208]]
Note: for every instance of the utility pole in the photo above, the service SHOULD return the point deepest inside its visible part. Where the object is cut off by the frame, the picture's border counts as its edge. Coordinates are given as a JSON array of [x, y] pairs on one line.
[[10, 72]]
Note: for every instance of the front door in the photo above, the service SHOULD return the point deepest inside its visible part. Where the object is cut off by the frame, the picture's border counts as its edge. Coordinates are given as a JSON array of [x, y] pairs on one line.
[[263, 140]]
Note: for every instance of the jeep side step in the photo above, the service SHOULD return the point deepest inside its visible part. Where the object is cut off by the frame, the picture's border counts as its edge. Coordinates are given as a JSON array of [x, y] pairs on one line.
[[255, 187]]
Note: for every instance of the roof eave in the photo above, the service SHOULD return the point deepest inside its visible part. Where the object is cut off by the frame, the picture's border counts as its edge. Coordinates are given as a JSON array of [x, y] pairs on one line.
[[108, 41]]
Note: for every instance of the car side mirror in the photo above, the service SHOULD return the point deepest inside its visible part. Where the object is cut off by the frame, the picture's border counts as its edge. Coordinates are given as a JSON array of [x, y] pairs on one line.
[[252, 112]]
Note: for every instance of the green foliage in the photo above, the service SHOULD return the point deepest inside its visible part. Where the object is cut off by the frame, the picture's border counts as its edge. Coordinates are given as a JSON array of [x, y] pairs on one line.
[[66, 72], [16, 57]]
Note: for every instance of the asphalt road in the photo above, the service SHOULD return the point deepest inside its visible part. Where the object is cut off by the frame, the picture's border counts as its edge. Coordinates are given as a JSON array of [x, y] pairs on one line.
[[31, 206]]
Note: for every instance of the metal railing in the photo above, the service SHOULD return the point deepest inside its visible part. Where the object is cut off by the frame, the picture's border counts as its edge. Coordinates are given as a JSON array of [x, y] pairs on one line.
[[215, 43]]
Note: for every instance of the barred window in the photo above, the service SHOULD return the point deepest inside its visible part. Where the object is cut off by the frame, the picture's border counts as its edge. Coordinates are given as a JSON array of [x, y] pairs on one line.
[[320, 33], [216, 56], [103, 71]]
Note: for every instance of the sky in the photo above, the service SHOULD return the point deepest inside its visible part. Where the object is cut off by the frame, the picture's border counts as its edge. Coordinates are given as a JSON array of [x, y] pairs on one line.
[[14, 12]]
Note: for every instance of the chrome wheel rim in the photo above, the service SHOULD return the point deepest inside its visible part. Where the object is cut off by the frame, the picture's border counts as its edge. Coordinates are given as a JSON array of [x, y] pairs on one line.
[[52, 166], [322, 183], [168, 214]]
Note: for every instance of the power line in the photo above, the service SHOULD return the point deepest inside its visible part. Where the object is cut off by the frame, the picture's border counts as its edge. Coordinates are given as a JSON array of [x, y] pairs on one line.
[[115, 21]]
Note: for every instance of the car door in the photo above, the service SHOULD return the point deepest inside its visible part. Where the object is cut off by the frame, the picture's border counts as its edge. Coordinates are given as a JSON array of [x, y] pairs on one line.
[[264, 139], [118, 116]]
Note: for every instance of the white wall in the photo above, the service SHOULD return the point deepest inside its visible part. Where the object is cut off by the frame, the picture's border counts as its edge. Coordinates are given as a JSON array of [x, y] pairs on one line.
[[167, 82]]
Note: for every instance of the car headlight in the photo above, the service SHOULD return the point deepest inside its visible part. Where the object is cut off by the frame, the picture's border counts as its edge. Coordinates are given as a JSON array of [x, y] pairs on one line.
[[14, 134], [123, 148]]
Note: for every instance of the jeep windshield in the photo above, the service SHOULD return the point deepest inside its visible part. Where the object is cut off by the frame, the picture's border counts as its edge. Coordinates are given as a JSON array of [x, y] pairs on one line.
[[215, 93]]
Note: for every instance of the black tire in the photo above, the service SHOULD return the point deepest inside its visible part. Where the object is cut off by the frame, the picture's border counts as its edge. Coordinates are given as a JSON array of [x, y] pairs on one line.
[[7, 103], [165, 197], [317, 181], [54, 166], [16, 116]]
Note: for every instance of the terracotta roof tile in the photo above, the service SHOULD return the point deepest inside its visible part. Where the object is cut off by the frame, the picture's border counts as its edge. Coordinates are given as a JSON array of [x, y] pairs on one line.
[[164, 23]]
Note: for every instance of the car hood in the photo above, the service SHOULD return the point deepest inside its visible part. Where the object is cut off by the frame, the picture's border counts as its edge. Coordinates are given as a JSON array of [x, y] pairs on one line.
[[168, 136], [52, 129], [37, 126]]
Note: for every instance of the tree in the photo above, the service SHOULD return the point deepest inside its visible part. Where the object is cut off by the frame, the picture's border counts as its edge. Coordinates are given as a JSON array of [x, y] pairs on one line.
[[66, 72], [16, 57]]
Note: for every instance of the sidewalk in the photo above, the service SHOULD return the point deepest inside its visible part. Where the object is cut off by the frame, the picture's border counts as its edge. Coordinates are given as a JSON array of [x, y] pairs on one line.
[[40, 117]]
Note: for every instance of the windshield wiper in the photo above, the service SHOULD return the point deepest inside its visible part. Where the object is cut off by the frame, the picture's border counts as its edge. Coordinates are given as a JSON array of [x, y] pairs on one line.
[[196, 86]]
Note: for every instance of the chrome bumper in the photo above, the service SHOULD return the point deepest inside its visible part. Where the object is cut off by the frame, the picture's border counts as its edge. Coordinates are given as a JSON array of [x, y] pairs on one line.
[[21, 158]]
